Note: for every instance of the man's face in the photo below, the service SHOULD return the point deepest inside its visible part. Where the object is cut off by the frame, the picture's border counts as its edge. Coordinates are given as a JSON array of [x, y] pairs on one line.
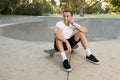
[[67, 17]]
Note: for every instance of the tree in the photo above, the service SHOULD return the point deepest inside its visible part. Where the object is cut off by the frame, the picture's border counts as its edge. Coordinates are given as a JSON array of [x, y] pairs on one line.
[[116, 5], [8, 6], [37, 7], [82, 8], [94, 6], [73, 5]]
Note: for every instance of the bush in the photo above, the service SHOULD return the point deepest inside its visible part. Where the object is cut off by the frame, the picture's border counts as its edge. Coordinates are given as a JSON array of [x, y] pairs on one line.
[[34, 8], [7, 10], [94, 9]]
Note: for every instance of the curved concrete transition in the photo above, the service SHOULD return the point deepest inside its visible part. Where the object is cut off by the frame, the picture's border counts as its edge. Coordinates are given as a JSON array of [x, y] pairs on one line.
[[26, 42], [41, 29], [31, 31], [103, 29]]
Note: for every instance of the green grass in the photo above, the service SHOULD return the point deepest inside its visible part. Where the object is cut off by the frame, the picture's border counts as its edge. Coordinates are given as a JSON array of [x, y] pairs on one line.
[[11, 16], [86, 16], [103, 16], [100, 16], [95, 15]]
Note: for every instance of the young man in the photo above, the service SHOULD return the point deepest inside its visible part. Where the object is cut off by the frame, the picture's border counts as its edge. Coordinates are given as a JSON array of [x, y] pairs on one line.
[[66, 40]]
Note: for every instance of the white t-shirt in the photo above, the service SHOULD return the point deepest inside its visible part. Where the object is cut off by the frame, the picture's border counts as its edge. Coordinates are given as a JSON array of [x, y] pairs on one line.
[[67, 31]]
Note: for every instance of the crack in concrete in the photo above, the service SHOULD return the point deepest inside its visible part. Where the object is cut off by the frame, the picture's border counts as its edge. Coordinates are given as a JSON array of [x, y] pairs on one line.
[[68, 73]]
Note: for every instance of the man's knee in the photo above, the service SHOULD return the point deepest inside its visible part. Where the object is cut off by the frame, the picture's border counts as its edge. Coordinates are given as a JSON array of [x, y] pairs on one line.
[[81, 33], [59, 45], [78, 35], [58, 41]]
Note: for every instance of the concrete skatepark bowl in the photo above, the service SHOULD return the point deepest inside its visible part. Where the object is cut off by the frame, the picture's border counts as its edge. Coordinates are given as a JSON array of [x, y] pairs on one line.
[[23, 42], [99, 29], [32, 31]]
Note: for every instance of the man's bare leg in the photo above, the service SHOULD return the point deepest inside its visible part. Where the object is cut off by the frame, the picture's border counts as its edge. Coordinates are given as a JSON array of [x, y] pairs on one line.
[[60, 47], [82, 37]]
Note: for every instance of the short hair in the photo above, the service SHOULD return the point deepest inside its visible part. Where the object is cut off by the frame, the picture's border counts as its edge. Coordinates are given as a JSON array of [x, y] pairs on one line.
[[68, 11]]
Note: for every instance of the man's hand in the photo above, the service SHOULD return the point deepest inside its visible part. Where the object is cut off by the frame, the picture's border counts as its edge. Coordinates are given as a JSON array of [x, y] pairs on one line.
[[80, 28], [68, 47], [84, 30], [71, 21]]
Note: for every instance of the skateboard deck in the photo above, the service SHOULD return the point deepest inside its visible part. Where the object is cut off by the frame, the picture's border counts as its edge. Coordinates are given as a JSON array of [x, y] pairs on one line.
[[52, 52]]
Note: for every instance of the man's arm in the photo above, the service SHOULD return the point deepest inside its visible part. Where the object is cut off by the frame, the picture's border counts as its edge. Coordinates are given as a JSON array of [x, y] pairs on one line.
[[59, 36], [80, 28]]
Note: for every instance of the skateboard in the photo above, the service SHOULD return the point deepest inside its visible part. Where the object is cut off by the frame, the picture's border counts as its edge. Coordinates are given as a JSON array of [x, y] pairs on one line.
[[52, 52]]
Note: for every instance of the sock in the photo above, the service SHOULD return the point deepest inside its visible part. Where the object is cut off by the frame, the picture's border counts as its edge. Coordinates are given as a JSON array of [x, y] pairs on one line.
[[88, 52], [63, 55]]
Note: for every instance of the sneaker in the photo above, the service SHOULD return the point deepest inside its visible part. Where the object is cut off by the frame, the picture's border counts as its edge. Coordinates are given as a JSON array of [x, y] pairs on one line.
[[66, 65], [92, 59]]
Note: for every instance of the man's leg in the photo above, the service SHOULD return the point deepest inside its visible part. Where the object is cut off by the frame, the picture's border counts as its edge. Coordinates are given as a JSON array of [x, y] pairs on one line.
[[60, 47], [82, 37]]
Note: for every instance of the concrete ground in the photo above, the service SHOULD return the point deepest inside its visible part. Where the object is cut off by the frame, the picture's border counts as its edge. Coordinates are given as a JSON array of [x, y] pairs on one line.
[[23, 60], [29, 60]]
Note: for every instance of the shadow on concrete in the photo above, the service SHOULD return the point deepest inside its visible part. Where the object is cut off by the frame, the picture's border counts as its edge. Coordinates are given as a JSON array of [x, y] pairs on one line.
[[52, 51]]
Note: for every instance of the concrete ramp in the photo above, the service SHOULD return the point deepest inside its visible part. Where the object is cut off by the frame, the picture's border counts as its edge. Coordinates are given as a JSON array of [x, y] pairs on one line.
[[32, 31], [101, 28]]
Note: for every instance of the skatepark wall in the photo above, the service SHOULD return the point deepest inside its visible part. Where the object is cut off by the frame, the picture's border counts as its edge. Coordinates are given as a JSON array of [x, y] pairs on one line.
[[41, 28], [31, 31], [101, 28]]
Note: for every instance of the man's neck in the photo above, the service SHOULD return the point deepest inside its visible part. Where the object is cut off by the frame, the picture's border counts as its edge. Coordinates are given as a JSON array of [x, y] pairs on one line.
[[67, 24]]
